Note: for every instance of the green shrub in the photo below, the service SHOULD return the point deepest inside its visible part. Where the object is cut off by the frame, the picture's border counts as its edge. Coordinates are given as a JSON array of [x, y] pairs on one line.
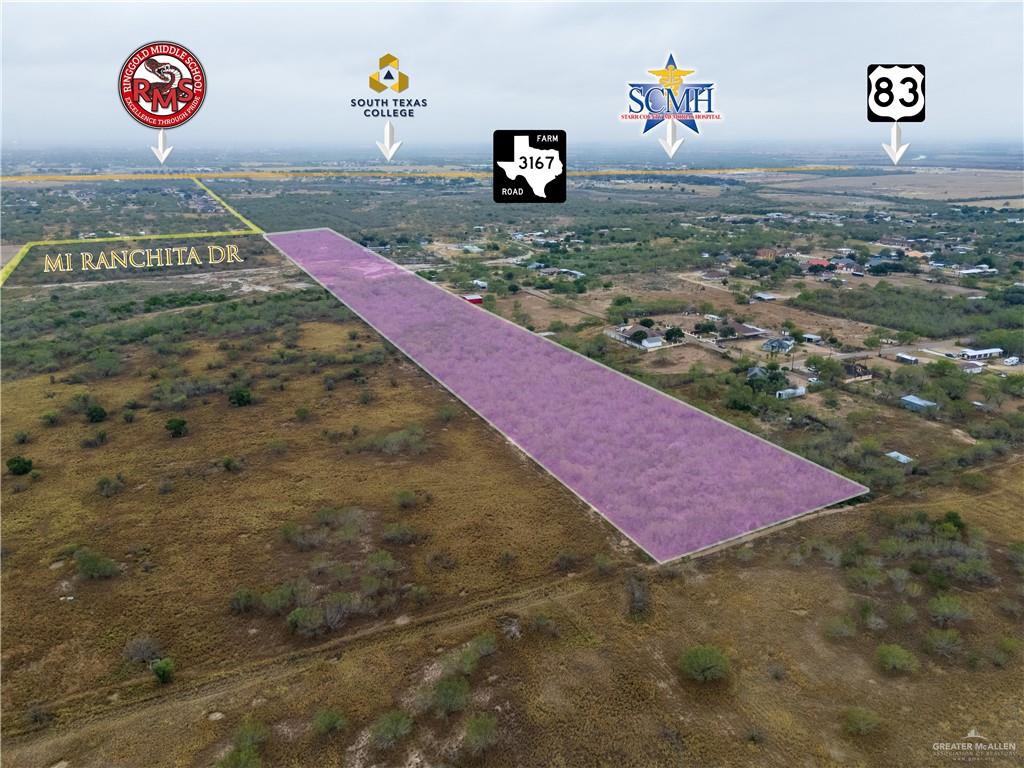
[[465, 660], [98, 439], [163, 670], [704, 663], [481, 733], [451, 694], [19, 465], [338, 607], [50, 419], [302, 414], [278, 600], [307, 621], [943, 642], [975, 570], [95, 413], [860, 721], [545, 625], [381, 563], [398, 533], [865, 577], [246, 746], [327, 721], [93, 565], [406, 499], [240, 397], [1006, 649], [1016, 555], [446, 413], [946, 610], [390, 728], [904, 615], [108, 486], [895, 659], [244, 601], [900, 578], [565, 562], [177, 427], [21, 438]]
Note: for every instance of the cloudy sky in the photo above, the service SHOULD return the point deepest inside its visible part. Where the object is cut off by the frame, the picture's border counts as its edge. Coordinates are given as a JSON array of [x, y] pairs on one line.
[[282, 75]]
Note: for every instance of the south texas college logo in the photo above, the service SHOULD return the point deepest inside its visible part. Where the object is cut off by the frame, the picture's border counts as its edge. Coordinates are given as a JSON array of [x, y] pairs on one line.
[[162, 85], [671, 98], [388, 75]]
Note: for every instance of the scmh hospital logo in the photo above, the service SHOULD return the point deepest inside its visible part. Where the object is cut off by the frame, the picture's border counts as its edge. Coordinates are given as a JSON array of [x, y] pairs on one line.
[[670, 98]]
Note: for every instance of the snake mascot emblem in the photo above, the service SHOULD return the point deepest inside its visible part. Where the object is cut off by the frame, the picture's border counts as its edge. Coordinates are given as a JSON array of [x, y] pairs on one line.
[[170, 81]]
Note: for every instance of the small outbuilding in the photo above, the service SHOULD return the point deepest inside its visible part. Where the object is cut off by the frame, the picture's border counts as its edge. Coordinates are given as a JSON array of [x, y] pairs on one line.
[[790, 393], [918, 404], [902, 458]]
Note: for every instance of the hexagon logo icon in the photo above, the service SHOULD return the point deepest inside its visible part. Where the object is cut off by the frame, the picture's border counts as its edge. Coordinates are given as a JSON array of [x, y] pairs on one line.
[[388, 75]]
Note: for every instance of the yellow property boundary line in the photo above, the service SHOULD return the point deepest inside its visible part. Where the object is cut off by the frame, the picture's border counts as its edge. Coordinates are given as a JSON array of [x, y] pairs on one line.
[[10, 266], [255, 230], [385, 173]]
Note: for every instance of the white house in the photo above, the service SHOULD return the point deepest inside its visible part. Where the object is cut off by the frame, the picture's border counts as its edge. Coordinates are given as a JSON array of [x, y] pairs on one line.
[[651, 339], [980, 354]]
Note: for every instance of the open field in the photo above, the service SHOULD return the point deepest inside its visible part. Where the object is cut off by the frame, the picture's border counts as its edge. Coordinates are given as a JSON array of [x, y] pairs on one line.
[[931, 184], [769, 606], [511, 378], [332, 530], [178, 503]]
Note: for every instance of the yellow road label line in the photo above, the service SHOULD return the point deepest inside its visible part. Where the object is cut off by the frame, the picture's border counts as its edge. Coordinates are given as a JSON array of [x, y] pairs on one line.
[[10, 266], [256, 230]]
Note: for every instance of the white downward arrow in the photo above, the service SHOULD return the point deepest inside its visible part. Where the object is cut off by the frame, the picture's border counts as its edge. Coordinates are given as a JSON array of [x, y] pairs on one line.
[[390, 146], [670, 143], [895, 152], [162, 152]]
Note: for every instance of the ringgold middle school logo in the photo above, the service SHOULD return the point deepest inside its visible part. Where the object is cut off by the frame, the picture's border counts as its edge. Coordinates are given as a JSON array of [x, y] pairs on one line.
[[162, 84], [388, 75]]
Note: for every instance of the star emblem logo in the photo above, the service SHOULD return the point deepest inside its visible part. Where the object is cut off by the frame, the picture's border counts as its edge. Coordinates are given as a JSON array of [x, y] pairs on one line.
[[670, 79]]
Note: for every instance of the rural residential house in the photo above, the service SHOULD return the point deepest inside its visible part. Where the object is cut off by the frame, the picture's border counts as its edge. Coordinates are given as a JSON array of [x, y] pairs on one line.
[[782, 345], [638, 336]]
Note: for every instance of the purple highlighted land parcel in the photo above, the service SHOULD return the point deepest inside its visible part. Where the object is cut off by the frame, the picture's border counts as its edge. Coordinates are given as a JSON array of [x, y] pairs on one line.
[[669, 476]]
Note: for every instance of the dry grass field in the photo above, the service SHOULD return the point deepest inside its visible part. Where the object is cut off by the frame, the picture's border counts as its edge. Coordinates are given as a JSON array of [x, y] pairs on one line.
[[589, 685], [929, 184], [495, 578]]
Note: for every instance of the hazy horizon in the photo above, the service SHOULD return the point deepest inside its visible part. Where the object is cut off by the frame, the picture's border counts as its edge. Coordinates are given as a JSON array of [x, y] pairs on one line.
[[283, 75]]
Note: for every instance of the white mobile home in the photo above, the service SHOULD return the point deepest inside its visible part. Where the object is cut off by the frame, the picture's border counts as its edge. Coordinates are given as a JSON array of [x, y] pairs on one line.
[[980, 354]]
